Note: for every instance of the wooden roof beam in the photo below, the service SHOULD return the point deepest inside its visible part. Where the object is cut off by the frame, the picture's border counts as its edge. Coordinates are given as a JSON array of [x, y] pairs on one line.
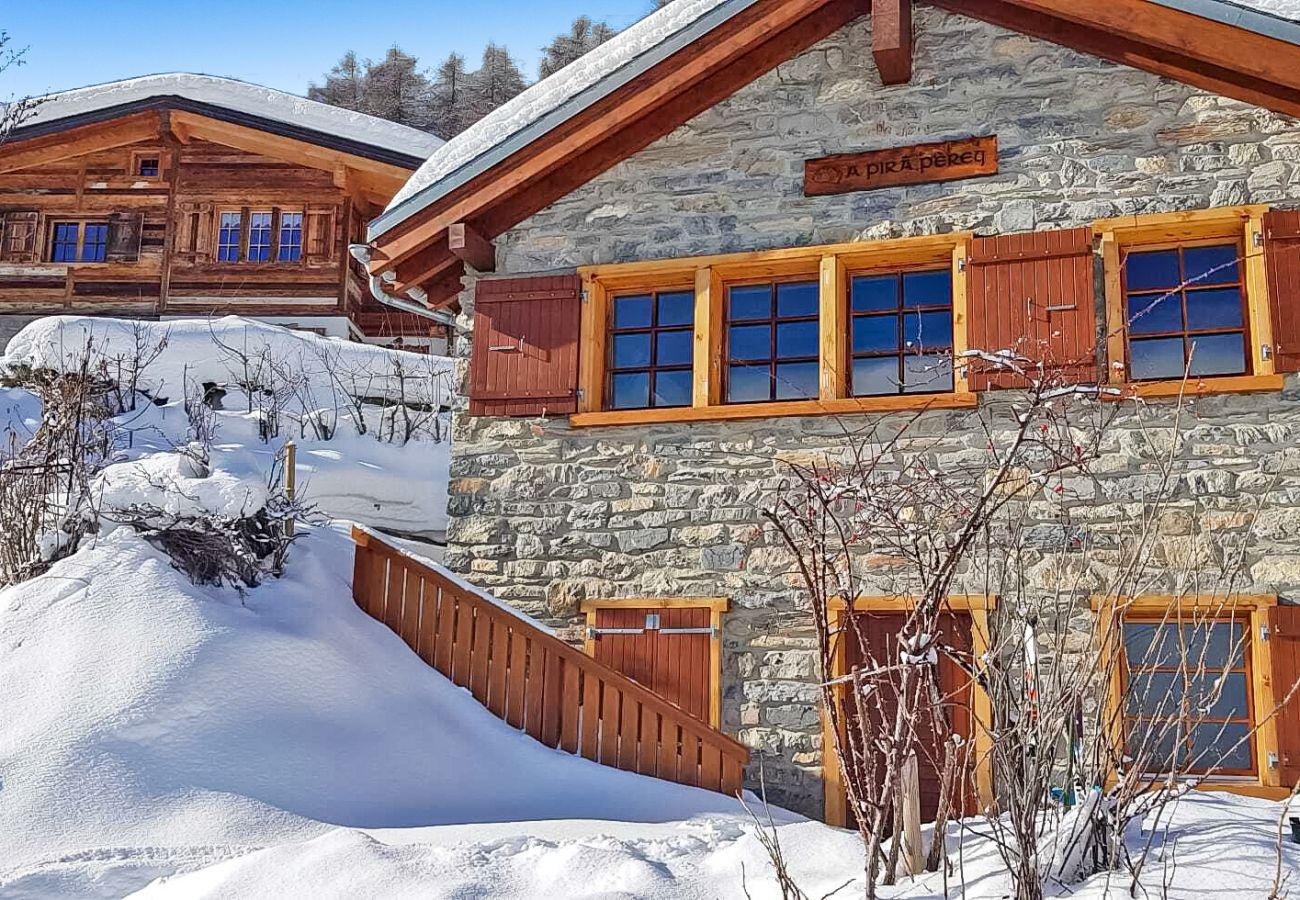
[[20, 154], [474, 249], [425, 266], [891, 40], [642, 99]]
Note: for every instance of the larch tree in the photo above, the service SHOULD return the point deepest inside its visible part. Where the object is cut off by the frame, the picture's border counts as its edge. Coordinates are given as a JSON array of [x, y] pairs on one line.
[[497, 80], [396, 90], [583, 36], [450, 104], [345, 85]]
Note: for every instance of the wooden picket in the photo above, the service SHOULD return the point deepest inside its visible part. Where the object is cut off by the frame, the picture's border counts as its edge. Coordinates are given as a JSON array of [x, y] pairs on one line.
[[536, 682]]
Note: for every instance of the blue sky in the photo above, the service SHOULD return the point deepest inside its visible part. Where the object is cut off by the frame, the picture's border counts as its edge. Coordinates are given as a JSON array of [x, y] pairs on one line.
[[279, 43]]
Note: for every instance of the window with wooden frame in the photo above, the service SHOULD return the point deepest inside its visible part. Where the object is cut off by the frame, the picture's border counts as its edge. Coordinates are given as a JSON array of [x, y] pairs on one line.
[[290, 248], [773, 332], [146, 164], [77, 242], [261, 236], [1204, 682], [650, 349], [900, 339], [1187, 295]]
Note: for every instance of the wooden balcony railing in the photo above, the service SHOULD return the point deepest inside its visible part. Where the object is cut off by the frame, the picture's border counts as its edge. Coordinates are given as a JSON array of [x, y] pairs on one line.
[[536, 682]]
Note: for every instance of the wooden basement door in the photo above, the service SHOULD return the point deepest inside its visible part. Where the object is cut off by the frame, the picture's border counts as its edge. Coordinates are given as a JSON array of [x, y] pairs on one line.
[[880, 632], [670, 650]]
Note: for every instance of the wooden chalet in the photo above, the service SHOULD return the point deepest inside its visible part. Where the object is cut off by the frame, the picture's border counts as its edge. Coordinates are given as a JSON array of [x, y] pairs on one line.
[[742, 228], [186, 195]]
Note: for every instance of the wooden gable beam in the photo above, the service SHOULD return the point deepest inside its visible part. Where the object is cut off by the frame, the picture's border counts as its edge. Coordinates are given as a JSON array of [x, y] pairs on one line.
[[463, 241], [377, 177], [891, 40], [1129, 48], [643, 110], [430, 263], [22, 154]]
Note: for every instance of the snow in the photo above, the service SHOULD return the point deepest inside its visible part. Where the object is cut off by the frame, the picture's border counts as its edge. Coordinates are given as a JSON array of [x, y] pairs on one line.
[[1286, 9], [387, 484], [239, 96], [551, 93], [147, 720]]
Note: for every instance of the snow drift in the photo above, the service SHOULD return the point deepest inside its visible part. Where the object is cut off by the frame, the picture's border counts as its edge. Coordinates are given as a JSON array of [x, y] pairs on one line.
[[141, 711]]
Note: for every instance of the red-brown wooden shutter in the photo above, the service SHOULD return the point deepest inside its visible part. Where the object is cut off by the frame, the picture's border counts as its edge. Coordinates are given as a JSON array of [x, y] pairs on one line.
[[1033, 294], [124, 233], [319, 239], [1284, 635], [1282, 262], [18, 242], [525, 346]]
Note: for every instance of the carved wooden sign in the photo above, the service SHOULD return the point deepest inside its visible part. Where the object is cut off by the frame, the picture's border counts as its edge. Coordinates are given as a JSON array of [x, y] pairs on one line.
[[918, 164]]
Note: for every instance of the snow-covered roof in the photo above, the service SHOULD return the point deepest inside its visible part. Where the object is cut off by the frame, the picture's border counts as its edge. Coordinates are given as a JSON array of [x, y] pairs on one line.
[[555, 99], [302, 117], [598, 73]]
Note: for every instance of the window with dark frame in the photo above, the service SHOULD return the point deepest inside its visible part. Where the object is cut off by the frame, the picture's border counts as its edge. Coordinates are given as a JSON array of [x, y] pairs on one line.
[[1187, 695], [651, 350], [147, 167], [1185, 309], [72, 242], [290, 248], [900, 339], [228, 234], [773, 341], [259, 237]]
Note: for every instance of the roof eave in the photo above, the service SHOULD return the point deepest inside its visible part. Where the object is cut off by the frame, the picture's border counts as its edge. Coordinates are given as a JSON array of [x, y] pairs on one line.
[[607, 85], [224, 114]]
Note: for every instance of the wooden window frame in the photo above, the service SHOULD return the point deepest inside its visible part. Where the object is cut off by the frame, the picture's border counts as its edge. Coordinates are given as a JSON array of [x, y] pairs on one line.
[[1163, 231], [245, 216], [772, 321], [900, 311], [712, 275], [1250, 609], [654, 329], [82, 224], [138, 157], [978, 607], [716, 607]]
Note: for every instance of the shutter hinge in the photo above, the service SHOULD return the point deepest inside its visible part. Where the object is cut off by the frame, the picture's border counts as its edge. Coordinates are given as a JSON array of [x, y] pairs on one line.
[[1272, 759], [961, 264], [1263, 634], [1259, 239], [1265, 351], [581, 394], [586, 295]]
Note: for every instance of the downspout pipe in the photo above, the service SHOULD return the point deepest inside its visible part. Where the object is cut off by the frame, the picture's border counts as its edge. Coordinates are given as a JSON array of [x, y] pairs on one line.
[[362, 253]]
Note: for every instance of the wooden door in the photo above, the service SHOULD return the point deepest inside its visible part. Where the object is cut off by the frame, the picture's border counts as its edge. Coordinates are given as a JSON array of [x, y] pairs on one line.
[[952, 714], [666, 650]]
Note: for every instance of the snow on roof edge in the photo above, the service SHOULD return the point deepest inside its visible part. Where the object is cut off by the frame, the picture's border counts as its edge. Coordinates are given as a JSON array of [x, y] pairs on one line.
[[243, 97], [548, 102]]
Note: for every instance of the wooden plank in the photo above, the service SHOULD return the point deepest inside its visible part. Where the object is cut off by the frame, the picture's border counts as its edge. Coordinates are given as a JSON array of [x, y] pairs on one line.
[[552, 700], [629, 727], [590, 737], [471, 247], [445, 637], [394, 593], [570, 707], [844, 406], [733, 776], [891, 40], [669, 749], [533, 695], [463, 646], [710, 304], [499, 668], [610, 719], [591, 346], [834, 328], [688, 762], [648, 743], [481, 655], [894, 166], [411, 602], [517, 680]]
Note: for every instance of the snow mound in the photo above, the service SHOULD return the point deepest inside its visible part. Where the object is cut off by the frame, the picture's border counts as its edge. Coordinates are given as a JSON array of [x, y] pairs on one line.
[[240, 96], [176, 485], [548, 95], [191, 352], [192, 724]]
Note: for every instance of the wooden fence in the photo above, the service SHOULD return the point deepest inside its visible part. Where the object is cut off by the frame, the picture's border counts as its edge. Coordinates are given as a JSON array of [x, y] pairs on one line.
[[536, 682]]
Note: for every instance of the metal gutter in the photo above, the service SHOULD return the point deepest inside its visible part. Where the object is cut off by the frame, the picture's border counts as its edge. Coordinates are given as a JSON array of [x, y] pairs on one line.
[[584, 99], [221, 113]]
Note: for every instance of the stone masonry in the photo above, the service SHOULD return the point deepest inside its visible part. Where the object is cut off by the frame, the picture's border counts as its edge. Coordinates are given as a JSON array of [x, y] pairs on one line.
[[545, 515]]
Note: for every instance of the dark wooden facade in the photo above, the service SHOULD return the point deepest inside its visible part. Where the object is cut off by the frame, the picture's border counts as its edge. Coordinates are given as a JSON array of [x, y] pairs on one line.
[[155, 186]]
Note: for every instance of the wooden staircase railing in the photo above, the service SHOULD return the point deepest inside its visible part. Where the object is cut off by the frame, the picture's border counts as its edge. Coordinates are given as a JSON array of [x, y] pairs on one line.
[[536, 682]]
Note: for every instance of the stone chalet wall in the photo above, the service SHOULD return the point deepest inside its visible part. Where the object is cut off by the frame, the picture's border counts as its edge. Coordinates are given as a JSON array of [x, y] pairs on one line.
[[545, 515]]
